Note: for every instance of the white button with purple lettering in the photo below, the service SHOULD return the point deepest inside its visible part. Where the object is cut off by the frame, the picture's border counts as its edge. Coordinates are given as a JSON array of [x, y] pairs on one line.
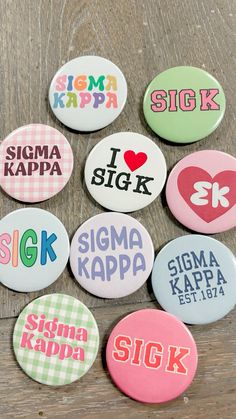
[[125, 172], [34, 249], [194, 278], [111, 255], [88, 93]]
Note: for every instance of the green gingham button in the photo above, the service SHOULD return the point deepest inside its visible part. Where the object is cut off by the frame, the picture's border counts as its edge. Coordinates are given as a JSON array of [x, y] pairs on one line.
[[56, 339]]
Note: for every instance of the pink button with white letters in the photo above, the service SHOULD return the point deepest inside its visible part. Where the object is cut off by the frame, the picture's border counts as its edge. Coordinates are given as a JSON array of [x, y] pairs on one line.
[[36, 162], [201, 191], [151, 356]]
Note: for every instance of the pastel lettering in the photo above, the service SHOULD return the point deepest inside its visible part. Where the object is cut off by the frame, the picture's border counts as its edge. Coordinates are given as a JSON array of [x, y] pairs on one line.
[[185, 100], [27, 248], [80, 91]]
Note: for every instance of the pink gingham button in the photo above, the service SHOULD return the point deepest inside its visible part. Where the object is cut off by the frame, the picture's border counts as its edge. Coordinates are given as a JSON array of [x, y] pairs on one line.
[[36, 162]]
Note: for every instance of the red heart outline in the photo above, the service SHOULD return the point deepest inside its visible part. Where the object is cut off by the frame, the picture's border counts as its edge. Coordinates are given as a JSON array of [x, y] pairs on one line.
[[134, 160], [190, 175]]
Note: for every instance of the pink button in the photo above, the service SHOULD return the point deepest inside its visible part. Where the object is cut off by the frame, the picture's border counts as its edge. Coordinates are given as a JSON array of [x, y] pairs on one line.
[[151, 356], [201, 191], [36, 162]]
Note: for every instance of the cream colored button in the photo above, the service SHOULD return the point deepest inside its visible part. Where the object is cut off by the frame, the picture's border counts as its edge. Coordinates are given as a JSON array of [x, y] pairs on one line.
[[125, 171], [88, 93]]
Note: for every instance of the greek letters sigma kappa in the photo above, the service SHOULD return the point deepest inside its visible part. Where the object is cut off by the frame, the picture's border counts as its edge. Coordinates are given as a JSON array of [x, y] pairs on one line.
[[186, 100], [51, 329], [77, 91], [150, 354]]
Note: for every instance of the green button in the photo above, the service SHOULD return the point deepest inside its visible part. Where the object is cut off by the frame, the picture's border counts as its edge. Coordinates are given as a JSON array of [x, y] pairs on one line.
[[184, 104], [56, 339]]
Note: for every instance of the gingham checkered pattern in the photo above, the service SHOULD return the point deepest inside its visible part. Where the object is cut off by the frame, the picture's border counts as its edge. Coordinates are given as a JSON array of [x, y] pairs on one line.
[[36, 188], [53, 371]]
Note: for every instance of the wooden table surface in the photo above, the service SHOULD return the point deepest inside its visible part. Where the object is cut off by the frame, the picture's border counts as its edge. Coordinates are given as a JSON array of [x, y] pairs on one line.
[[143, 38]]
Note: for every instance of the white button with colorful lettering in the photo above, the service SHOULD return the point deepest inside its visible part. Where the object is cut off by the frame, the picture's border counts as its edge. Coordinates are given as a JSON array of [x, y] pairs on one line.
[[201, 191], [111, 255], [194, 278], [36, 162], [125, 172], [88, 93], [151, 356], [34, 249], [56, 339]]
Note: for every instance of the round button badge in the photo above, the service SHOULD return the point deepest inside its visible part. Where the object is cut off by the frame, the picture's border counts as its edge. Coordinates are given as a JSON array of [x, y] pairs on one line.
[[88, 93], [194, 278], [36, 162], [151, 356], [184, 104], [55, 339], [34, 249], [125, 172], [111, 255], [201, 191]]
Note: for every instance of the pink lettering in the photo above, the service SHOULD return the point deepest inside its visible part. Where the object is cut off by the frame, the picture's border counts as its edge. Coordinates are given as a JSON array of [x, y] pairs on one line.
[[85, 99], [207, 102], [159, 103], [185, 103], [61, 83], [5, 254]]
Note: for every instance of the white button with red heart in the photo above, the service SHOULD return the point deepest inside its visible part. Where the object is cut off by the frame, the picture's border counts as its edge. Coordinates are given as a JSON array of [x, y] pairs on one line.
[[201, 191], [125, 172]]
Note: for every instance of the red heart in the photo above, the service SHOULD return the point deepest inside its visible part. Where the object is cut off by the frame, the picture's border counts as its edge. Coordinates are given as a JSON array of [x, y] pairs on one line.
[[186, 181], [134, 161]]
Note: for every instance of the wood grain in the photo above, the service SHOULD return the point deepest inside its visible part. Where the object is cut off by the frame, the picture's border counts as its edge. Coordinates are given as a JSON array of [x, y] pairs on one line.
[[142, 38], [94, 396]]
